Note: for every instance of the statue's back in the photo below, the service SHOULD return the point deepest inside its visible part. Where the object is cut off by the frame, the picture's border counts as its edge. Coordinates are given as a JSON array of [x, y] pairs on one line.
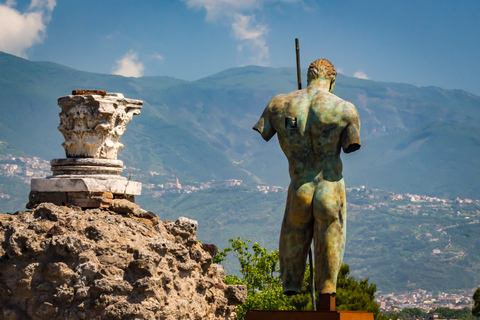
[[309, 124]]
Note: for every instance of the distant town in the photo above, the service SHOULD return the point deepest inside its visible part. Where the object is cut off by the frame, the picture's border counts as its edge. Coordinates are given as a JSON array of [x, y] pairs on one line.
[[23, 168], [425, 300], [175, 187], [29, 168]]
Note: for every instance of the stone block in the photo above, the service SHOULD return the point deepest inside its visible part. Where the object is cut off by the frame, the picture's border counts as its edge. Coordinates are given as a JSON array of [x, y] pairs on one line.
[[90, 184]]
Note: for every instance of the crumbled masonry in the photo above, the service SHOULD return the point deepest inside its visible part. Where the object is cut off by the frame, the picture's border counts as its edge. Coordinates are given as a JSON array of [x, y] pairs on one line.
[[119, 262]]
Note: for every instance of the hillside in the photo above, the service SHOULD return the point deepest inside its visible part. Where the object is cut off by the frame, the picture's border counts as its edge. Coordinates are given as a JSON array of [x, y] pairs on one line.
[[402, 242], [422, 140]]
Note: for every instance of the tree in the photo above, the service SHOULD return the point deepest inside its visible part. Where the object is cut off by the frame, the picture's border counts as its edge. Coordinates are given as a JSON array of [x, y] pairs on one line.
[[409, 313], [260, 273], [355, 295], [391, 315], [476, 303], [447, 313]]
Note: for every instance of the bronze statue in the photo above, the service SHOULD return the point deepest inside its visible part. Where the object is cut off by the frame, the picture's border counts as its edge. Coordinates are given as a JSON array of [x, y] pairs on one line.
[[312, 126]]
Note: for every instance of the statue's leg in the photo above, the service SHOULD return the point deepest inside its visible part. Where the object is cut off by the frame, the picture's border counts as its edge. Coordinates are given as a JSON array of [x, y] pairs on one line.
[[296, 237], [329, 211]]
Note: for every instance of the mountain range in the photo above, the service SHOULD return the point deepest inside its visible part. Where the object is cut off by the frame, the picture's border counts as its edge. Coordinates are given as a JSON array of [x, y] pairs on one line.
[[418, 140], [422, 140]]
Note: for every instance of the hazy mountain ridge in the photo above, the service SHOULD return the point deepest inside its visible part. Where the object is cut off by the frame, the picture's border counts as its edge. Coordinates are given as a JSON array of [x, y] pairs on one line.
[[201, 130], [417, 140]]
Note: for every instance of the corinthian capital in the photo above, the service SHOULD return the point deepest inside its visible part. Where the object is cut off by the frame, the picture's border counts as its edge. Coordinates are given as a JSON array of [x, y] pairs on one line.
[[92, 123]]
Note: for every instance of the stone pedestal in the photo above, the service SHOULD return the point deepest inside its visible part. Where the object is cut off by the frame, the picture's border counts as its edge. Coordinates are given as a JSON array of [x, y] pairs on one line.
[[83, 182], [308, 315], [92, 123]]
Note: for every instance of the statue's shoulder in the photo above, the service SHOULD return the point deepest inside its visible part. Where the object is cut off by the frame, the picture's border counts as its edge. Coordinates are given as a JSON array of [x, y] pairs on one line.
[[278, 101], [350, 111], [280, 98], [284, 100], [335, 99], [349, 106], [347, 109], [339, 102]]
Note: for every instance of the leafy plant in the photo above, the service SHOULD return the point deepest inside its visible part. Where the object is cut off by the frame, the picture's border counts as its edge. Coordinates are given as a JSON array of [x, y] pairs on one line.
[[259, 271], [476, 303]]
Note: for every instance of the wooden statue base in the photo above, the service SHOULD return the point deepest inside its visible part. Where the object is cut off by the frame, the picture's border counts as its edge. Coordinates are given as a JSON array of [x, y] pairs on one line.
[[308, 315]]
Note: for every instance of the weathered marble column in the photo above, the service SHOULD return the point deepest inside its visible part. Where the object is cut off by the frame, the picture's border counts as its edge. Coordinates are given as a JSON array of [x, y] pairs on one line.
[[91, 121]]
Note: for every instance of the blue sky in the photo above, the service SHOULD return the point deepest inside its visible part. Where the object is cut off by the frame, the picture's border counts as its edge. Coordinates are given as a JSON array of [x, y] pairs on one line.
[[419, 42]]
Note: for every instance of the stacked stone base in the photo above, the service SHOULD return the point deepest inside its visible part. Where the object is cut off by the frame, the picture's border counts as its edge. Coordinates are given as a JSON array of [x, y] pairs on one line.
[[83, 182], [83, 199]]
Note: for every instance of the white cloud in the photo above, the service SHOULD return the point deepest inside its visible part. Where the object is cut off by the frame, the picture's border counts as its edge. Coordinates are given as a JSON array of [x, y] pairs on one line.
[[250, 34], [219, 8], [158, 57], [245, 28], [129, 66], [40, 4], [20, 31], [252, 37], [361, 75]]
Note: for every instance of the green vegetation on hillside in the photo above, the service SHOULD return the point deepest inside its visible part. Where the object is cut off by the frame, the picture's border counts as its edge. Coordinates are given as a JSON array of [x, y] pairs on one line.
[[17, 192], [388, 240], [224, 212], [401, 237]]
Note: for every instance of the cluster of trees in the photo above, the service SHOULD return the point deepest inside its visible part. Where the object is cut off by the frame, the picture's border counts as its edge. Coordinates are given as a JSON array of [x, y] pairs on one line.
[[259, 271]]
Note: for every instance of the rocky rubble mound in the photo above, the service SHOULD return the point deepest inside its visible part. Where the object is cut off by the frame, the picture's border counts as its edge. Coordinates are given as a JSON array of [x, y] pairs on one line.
[[116, 263]]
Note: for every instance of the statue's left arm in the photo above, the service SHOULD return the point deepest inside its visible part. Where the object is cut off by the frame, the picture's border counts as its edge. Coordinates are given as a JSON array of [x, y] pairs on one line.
[[351, 135]]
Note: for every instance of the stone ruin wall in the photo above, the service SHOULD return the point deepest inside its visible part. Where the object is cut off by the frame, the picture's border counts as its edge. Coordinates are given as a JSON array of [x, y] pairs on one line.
[[116, 263]]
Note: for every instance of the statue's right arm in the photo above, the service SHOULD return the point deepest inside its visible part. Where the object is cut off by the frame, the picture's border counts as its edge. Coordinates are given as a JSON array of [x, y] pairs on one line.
[[265, 124]]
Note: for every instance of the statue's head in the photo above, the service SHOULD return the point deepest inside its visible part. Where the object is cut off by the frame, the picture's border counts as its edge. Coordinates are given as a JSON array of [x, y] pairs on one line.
[[322, 69]]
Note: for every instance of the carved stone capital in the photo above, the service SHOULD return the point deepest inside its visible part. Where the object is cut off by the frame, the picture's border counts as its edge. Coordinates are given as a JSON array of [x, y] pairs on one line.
[[93, 123]]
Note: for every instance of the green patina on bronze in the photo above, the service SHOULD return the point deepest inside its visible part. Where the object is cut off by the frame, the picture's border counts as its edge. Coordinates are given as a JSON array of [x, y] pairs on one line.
[[313, 125]]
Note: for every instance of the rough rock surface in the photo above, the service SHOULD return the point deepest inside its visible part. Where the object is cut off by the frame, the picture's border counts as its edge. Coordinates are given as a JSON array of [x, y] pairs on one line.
[[117, 263]]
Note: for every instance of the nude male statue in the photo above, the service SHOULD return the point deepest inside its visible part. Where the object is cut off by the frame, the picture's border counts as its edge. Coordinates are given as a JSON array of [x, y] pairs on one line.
[[312, 126]]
